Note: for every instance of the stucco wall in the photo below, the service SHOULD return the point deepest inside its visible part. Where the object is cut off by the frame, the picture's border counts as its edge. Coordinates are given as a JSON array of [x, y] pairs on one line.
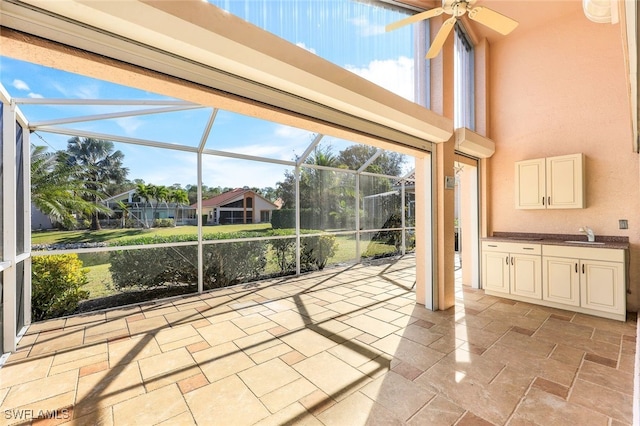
[[259, 205], [560, 90]]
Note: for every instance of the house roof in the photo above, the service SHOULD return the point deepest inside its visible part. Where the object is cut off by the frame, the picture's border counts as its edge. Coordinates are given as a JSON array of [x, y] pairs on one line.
[[118, 196], [229, 196]]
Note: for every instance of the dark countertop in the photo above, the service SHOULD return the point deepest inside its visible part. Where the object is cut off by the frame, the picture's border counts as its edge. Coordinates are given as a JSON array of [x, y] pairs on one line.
[[560, 239]]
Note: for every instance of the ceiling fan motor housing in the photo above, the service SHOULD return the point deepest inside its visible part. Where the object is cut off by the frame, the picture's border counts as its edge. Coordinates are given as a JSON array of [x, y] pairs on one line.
[[456, 7]]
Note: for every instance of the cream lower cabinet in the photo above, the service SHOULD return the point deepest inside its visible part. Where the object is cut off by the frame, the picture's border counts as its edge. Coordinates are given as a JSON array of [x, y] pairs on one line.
[[561, 279], [581, 279], [512, 268], [591, 279]]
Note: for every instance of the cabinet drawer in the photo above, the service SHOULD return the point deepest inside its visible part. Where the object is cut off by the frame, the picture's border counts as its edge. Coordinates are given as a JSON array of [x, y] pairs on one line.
[[517, 248], [607, 255]]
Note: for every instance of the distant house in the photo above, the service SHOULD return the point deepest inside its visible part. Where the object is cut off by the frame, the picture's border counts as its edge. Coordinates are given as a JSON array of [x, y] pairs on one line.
[[40, 220], [139, 212], [240, 205]]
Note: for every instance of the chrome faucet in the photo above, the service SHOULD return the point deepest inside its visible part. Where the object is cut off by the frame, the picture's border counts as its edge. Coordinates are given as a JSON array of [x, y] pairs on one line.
[[588, 232]]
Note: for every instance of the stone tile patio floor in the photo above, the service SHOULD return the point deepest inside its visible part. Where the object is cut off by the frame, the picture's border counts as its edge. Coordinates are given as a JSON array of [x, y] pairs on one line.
[[345, 346]]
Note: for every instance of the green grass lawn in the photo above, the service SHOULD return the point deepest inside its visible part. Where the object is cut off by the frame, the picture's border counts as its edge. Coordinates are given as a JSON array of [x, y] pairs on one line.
[[110, 235], [99, 283]]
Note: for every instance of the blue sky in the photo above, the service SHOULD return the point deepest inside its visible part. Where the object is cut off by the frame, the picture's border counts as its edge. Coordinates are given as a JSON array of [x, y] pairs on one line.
[[320, 26]]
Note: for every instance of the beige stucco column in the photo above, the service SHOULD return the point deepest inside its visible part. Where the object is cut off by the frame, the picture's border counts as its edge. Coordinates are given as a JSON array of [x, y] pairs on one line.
[[442, 98], [444, 213]]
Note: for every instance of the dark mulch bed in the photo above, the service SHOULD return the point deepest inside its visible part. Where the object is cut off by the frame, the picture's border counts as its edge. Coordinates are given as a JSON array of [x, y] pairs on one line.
[[132, 297]]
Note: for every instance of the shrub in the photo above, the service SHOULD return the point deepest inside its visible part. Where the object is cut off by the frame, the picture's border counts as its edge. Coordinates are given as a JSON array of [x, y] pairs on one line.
[[231, 263], [56, 285], [153, 267], [316, 250], [163, 223], [224, 263], [284, 250]]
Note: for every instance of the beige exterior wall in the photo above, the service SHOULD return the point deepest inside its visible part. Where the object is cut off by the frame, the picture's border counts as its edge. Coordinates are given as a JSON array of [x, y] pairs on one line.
[[561, 90]]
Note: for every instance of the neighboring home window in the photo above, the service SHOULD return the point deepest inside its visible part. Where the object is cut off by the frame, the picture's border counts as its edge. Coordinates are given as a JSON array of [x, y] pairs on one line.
[[265, 216], [235, 205], [464, 114], [249, 202]]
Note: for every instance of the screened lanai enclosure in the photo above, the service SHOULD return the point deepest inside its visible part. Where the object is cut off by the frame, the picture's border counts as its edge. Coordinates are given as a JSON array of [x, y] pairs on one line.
[[143, 134]]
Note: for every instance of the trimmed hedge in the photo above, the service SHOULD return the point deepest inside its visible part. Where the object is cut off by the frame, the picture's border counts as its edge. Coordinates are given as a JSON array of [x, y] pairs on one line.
[[56, 285], [286, 219], [225, 263]]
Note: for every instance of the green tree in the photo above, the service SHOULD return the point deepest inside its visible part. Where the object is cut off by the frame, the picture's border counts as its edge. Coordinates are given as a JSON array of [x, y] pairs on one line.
[[161, 194], [178, 197], [56, 190], [268, 192], [143, 191], [98, 165], [387, 163]]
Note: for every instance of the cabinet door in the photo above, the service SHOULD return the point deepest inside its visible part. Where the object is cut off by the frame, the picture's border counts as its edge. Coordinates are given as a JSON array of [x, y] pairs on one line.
[[602, 286], [525, 275], [561, 280], [530, 184], [565, 182], [495, 271]]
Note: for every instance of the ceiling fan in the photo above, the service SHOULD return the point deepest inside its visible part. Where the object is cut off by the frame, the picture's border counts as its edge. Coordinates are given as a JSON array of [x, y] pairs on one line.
[[456, 8]]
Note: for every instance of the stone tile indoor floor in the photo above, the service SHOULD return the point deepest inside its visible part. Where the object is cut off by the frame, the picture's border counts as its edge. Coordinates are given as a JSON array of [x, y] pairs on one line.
[[345, 346]]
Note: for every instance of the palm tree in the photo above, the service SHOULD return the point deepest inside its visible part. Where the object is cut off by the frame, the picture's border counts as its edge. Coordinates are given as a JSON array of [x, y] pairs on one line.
[[161, 194], [144, 192], [179, 197], [56, 190], [98, 166]]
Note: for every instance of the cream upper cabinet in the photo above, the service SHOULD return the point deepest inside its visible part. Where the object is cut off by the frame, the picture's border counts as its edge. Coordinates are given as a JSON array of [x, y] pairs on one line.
[[550, 183], [530, 184]]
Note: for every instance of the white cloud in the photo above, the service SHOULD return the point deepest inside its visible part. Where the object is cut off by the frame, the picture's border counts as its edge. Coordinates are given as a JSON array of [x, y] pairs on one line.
[[395, 75], [83, 92], [310, 49], [216, 171], [292, 133], [129, 124], [366, 28], [35, 95], [20, 85]]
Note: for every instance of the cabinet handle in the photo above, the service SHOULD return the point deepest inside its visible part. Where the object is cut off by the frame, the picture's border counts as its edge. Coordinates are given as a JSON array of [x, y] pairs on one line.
[[492, 245], [548, 201], [583, 268], [507, 259], [543, 201], [527, 248], [512, 260], [576, 268]]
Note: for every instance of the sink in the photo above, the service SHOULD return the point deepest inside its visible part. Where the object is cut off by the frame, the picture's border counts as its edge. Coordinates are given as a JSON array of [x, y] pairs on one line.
[[585, 242]]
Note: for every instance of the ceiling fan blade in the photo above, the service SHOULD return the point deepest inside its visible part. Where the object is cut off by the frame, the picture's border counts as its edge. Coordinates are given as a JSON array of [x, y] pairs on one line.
[[492, 19], [414, 18], [441, 37]]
